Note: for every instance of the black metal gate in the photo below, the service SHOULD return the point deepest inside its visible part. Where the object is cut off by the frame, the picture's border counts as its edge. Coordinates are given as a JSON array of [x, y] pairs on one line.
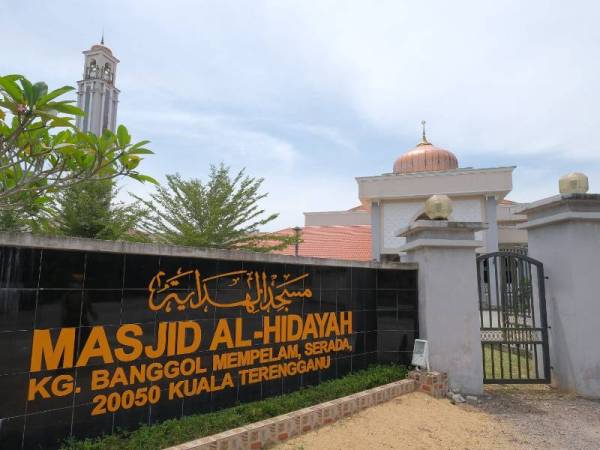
[[514, 327]]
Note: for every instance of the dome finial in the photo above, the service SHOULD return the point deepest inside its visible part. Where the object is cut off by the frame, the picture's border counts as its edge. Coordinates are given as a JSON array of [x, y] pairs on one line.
[[102, 40], [425, 157], [424, 140]]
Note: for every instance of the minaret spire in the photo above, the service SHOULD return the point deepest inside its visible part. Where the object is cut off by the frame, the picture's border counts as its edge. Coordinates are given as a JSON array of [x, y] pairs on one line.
[[424, 140]]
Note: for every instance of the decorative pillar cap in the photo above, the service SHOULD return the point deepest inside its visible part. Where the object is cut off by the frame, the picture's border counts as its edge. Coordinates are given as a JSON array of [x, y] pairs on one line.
[[438, 206], [573, 183], [440, 233]]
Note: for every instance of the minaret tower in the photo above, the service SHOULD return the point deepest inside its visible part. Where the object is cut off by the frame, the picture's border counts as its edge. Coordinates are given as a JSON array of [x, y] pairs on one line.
[[97, 94]]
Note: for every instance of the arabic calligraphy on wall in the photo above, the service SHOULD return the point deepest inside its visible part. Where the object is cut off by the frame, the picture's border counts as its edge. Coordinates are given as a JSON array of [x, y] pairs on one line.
[[259, 291]]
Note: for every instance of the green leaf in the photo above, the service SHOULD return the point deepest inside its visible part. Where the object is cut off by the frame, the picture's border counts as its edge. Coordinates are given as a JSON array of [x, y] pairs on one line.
[[39, 90], [55, 93], [123, 136], [62, 122], [132, 162], [5, 103], [87, 138], [49, 114], [88, 160], [41, 200], [143, 178], [28, 91], [140, 151], [63, 145], [139, 144], [12, 89], [65, 107], [14, 77]]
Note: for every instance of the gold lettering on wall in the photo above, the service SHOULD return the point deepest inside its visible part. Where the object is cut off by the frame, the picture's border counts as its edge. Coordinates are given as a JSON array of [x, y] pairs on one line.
[[132, 365]]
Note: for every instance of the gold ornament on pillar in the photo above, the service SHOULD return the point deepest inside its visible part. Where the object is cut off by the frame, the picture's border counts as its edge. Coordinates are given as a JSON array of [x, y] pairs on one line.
[[573, 183], [438, 207]]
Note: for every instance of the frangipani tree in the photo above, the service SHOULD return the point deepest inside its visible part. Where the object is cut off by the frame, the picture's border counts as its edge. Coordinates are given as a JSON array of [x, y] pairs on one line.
[[42, 152]]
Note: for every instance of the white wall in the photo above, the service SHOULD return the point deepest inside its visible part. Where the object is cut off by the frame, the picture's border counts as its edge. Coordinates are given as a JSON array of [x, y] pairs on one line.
[[570, 252], [399, 214], [396, 215], [511, 235], [448, 302], [449, 315]]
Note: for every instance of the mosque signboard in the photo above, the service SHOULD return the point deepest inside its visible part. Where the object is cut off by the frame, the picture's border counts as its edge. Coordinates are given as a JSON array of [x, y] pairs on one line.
[[93, 342]]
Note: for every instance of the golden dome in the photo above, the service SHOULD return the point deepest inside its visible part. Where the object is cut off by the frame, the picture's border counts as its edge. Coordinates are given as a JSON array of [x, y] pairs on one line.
[[425, 157]]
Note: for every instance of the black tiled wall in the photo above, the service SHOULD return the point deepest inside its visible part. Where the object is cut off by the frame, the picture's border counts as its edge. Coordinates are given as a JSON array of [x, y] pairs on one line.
[[51, 289]]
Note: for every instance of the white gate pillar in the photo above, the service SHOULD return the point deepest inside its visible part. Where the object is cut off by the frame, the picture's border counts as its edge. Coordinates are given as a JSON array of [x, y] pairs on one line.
[[448, 298], [564, 234]]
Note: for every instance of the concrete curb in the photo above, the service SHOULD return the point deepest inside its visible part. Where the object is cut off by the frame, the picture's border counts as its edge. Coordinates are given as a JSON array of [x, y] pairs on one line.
[[278, 429]]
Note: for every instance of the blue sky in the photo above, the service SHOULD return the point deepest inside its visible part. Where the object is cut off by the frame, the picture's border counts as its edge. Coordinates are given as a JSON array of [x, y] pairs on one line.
[[310, 94]]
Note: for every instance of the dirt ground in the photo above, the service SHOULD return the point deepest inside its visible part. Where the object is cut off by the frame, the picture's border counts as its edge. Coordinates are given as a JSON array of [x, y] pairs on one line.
[[507, 418]]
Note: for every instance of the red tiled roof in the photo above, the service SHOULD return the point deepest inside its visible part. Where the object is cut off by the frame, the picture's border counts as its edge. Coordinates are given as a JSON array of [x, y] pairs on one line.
[[506, 202], [336, 242]]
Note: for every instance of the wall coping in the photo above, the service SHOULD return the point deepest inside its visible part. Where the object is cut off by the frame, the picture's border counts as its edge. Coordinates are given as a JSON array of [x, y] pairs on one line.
[[441, 243], [459, 183], [562, 208], [560, 217], [439, 225], [97, 245], [437, 173], [561, 199]]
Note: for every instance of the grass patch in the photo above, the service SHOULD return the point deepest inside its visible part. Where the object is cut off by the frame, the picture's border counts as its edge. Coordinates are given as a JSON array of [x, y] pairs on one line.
[[176, 431], [507, 365]]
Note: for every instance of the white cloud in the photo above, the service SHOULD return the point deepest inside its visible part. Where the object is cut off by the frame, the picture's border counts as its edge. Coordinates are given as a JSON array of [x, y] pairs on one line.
[[222, 137], [333, 135]]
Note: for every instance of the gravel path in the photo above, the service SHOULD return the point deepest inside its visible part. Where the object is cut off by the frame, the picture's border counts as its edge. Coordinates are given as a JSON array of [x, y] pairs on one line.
[[507, 418], [545, 418]]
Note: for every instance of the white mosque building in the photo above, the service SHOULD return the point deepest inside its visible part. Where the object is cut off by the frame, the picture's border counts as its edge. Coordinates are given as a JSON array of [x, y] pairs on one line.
[[391, 201]]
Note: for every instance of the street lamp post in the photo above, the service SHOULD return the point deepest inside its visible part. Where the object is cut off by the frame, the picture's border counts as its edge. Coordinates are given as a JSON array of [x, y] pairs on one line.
[[297, 230]]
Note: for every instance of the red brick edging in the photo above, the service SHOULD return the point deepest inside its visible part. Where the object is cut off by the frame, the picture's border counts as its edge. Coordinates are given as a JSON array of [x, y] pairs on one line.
[[261, 434], [432, 383]]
